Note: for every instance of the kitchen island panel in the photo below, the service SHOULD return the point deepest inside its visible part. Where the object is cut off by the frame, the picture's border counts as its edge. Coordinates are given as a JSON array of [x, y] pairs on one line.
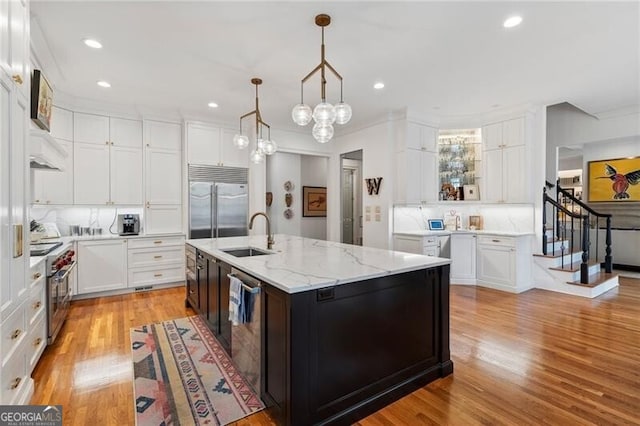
[[340, 353]]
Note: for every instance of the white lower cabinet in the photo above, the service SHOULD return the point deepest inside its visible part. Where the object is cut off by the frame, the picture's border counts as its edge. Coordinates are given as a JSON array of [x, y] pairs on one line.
[[429, 245], [102, 265], [504, 263], [155, 261], [463, 258], [14, 375]]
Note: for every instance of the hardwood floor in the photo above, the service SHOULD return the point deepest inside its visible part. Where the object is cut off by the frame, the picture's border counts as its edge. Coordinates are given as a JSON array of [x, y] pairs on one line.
[[534, 358]]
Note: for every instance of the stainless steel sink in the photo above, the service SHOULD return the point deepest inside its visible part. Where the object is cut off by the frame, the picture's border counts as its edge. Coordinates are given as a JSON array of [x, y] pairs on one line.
[[245, 252]]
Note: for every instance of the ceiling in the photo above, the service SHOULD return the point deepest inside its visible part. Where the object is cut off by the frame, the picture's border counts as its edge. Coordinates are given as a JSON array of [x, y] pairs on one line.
[[436, 58]]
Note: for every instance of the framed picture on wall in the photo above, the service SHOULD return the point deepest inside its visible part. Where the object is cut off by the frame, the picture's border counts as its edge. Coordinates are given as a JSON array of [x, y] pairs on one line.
[[314, 201], [614, 180], [41, 100]]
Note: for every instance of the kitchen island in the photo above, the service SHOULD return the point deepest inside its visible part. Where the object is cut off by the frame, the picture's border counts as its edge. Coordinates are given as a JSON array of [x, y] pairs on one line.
[[345, 329]]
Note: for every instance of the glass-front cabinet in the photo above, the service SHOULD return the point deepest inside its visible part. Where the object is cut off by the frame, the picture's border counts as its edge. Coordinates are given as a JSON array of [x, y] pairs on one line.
[[459, 163]]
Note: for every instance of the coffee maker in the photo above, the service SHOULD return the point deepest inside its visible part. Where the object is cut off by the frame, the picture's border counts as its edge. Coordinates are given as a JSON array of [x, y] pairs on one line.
[[128, 224]]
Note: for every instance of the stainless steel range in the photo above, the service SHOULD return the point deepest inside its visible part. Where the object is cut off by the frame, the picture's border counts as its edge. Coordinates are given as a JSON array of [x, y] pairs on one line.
[[60, 269]]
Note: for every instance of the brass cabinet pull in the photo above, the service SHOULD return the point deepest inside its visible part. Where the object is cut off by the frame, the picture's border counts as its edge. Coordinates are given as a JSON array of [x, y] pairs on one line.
[[17, 78], [157, 257], [37, 341], [37, 305], [36, 201], [496, 241], [148, 204], [191, 291], [157, 275], [16, 334], [16, 382], [157, 242], [36, 275]]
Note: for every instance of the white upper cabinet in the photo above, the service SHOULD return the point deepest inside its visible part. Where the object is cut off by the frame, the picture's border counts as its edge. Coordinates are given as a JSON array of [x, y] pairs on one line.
[[91, 173], [125, 175], [504, 162], [504, 134], [203, 144], [163, 177], [210, 145], [421, 137], [125, 133], [232, 156], [90, 128], [51, 187], [5, 40], [61, 123], [416, 163], [108, 160], [14, 35], [163, 135]]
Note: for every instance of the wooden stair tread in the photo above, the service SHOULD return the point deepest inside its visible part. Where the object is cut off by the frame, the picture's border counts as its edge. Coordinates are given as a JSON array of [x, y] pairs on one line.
[[595, 279], [556, 254], [574, 267]]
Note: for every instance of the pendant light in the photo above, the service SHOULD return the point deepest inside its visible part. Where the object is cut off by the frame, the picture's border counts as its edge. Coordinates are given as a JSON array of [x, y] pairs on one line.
[[324, 114], [262, 146]]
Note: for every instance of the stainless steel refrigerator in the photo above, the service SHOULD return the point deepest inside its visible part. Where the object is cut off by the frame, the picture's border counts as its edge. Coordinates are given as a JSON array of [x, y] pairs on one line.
[[218, 209]]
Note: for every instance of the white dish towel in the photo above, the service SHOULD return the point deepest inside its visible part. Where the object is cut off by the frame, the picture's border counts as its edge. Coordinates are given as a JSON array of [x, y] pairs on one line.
[[236, 298]]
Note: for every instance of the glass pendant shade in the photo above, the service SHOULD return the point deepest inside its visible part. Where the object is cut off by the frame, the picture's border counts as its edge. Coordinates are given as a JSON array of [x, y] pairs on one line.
[[241, 141], [270, 147], [322, 132], [256, 156], [343, 113], [301, 114], [324, 113], [260, 144]]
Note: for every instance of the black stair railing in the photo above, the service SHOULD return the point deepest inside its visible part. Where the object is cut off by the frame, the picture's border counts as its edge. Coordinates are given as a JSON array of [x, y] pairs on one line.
[[564, 212], [595, 220]]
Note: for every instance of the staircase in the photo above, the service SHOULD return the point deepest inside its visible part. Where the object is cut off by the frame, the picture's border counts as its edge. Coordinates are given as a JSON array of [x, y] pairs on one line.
[[573, 259]]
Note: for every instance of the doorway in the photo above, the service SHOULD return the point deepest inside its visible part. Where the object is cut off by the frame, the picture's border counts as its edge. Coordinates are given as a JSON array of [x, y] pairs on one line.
[[351, 197]]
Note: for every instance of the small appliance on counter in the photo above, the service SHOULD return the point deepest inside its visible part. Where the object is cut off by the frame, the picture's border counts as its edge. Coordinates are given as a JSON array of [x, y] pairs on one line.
[[128, 224]]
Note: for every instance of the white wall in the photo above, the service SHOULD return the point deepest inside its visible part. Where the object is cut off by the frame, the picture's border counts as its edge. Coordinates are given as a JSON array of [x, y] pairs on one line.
[[283, 167], [313, 172], [378, 160]]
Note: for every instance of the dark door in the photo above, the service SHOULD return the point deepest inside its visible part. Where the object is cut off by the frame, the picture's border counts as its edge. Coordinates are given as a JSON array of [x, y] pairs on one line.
[[201, 274], [213, 305], [225, 324]]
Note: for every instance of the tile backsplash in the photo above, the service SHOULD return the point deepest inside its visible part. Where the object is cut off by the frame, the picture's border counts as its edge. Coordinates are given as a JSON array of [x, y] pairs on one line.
[[96, 217], [495, 217]]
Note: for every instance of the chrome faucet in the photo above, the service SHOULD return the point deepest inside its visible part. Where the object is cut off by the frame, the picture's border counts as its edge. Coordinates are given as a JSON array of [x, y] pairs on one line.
[[270, 241]]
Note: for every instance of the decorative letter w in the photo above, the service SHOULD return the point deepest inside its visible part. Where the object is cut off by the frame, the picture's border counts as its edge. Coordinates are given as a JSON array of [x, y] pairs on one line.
[[373, 185]]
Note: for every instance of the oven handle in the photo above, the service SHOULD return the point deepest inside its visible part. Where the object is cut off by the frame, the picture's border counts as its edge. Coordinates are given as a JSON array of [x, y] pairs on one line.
[[66, 274]]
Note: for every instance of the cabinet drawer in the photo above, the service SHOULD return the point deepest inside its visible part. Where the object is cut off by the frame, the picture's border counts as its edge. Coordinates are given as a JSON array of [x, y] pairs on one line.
[[155, 257], [13, 332], [430, 241], [156, 242], [431, 251], [35, 344], [13, 376], [36, 304], [497, 240], [150, 276], [37, 274]]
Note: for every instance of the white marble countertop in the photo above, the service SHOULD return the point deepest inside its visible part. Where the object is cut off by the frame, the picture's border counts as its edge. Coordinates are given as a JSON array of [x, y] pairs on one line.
[[300, 264], [424, 233]]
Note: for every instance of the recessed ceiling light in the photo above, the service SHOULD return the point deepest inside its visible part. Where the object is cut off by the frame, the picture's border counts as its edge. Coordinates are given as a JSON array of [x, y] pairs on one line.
[[212, 105], [93, 43], [103, 83], [379, 85], [512, 21]]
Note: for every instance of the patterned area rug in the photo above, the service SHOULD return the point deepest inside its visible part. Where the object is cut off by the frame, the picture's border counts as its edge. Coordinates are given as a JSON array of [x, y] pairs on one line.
[[183, 376]]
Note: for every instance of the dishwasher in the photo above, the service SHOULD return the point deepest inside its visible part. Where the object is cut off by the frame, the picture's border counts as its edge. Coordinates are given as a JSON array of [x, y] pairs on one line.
[[245, 338]]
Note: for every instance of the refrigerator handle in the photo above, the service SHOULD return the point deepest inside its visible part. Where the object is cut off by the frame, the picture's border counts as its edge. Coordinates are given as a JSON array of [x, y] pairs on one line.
[[214, 211]]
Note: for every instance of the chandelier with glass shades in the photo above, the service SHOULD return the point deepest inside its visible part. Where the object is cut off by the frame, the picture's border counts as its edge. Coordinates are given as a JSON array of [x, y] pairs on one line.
[[263, 146], [324, 114]]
